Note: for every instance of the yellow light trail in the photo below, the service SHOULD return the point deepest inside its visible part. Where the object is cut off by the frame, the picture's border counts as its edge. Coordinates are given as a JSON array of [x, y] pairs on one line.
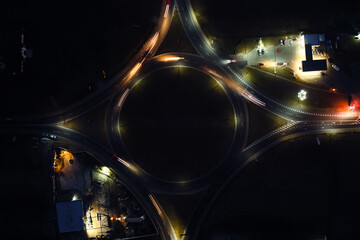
[[155, 204], [170, 58]]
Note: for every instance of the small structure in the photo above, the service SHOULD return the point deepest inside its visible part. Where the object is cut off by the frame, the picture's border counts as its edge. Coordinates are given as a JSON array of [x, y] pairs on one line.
[[70, 216]]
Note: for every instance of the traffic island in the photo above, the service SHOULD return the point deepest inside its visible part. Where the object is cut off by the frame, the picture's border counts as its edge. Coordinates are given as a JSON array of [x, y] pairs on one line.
[[177, 124]]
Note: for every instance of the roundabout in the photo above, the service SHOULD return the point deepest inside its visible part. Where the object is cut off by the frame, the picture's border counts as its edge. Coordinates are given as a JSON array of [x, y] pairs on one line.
[[178, 126]]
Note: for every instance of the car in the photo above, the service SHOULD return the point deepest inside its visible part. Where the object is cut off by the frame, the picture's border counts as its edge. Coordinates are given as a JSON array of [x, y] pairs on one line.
[[335, 67], [260, 52], [50, 136]]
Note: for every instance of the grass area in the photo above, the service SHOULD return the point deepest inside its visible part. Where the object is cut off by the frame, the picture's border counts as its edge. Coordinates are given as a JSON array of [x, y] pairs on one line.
[[72, 45], [288, 73], [176, 39], [231, 21], [286, 92], [178, 208], [26, 189], [177, 119], [245, 45], [91, 124], [296, 188], [261, 122], [347, 56]]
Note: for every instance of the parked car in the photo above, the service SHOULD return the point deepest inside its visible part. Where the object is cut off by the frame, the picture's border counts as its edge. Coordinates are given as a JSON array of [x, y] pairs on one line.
[[335, 67], [260, 52]]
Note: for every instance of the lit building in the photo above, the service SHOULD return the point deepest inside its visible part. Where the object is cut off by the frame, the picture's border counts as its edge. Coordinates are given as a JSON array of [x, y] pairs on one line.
[[313, 40]]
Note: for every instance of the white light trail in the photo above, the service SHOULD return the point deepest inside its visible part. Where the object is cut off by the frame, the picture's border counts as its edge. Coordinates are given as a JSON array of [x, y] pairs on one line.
[[123, 97], [166, 10], [124, 162]]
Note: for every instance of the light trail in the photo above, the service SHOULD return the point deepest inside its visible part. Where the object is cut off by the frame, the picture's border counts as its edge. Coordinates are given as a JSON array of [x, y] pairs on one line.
[[170, 58], [134, 70], [215, 74], [124, 162], [166, 10], [155, 204], [123, 97], [152, 42]]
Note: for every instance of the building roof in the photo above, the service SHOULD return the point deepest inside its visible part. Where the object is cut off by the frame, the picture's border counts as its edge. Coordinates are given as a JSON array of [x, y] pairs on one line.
[[314, 39], [308, 52], [314, 65], [310, 64], [69, 216]]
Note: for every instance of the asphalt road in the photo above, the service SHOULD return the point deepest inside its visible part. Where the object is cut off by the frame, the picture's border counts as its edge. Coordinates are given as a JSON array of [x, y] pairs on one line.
[[244, 87], [302, 121], [141, 184], [160, 185]]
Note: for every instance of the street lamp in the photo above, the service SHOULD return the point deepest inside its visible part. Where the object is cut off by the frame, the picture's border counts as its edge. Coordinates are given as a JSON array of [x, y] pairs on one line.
[[302, 95]]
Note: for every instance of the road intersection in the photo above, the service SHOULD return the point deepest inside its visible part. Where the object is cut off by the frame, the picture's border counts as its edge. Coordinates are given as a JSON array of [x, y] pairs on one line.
[[211, 62]]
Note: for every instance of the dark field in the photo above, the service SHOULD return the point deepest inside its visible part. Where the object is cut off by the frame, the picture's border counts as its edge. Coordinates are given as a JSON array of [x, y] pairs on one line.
[[26, 190], [177, 124], [91, 124], [261, 122], [231, 21], [296, 189], [72, 43], [176, 39]]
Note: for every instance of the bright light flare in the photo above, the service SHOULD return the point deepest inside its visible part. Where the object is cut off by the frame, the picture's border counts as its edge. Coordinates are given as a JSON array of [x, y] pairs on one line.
[[269, 64], [352, 107], [134, 70], [170, 58], [302, 95], [260, 45], [75, 197], [166, 10], [302, 41], [105, 170]]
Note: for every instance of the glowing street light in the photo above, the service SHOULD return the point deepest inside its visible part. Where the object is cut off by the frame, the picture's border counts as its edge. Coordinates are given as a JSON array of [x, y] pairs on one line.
[[105, 170], [302, 95]]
